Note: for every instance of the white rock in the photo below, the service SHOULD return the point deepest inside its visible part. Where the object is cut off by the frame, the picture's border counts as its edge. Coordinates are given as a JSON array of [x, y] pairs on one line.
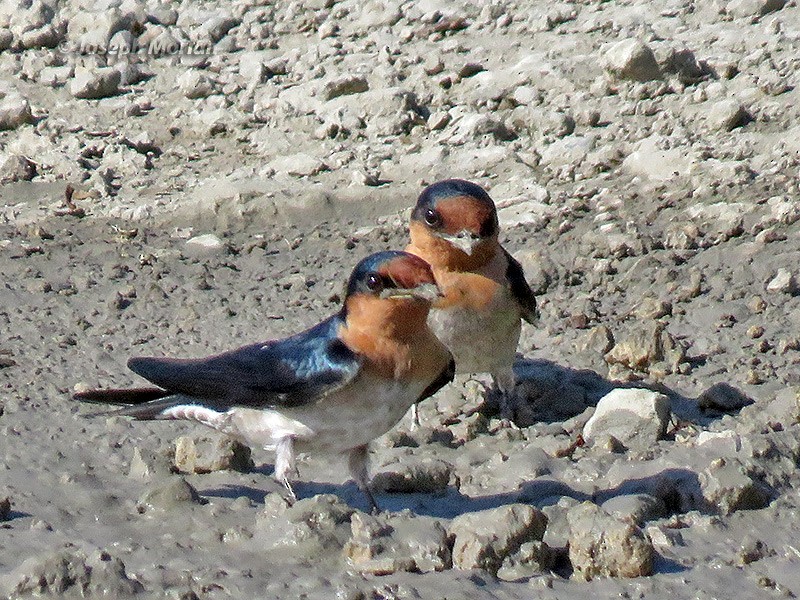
[[95, 83], [206, 241], [56, 76], [784, 282], [632, 415], [483, 539], [631, 59], [195, 84], [252, 66], [648, 159], [15, 110], [299, 165], [569, 150], [601, 545], [727, 115]]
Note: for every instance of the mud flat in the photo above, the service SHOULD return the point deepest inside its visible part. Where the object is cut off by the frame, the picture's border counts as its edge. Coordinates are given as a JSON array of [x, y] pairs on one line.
[[215, 184]]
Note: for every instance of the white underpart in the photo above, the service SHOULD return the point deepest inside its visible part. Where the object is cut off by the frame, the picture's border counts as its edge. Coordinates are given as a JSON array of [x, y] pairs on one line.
[[367, 408], [482, 341]]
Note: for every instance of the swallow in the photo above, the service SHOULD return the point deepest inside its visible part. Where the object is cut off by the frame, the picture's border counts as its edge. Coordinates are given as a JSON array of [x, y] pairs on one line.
[[332, 388], [454, 227]]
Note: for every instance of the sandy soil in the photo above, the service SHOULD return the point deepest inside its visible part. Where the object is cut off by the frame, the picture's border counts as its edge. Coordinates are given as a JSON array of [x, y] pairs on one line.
[[653, 200]]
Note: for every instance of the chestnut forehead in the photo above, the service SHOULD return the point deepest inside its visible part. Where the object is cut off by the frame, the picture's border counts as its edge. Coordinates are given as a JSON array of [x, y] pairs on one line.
[[464, 212], [407, 271]]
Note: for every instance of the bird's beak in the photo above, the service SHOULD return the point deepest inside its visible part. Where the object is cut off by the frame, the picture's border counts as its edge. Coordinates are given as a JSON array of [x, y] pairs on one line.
[[429, 292], [464, 240]]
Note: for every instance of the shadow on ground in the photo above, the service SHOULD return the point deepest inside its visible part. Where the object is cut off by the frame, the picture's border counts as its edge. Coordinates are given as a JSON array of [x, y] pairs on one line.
[[548, 393]]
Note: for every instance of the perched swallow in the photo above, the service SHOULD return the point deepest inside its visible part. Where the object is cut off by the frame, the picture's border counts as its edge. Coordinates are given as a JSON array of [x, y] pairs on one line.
[[454, 227], [332, 388]]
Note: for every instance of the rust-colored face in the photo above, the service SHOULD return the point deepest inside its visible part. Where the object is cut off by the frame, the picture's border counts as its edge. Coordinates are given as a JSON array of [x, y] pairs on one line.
[[466, 213], [407, 271]]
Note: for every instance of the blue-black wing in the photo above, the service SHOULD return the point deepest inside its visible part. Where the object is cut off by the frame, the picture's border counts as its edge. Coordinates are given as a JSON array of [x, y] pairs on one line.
[[442, 380], [520, 289], [289, 372]]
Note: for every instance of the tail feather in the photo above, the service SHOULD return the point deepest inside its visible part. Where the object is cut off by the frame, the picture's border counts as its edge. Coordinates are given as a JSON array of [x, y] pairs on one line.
[[122, 396], [140, 403]]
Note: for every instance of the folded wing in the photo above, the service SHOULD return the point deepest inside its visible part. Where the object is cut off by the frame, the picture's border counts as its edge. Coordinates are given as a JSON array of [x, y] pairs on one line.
[[289, 372]]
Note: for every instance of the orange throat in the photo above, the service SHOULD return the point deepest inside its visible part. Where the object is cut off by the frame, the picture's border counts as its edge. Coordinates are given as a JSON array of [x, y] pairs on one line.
[[384, 331], [440, 254]]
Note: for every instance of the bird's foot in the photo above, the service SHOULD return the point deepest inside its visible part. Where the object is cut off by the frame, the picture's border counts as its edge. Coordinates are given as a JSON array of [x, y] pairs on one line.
[[291, 496], [374, 508], [415, 424]]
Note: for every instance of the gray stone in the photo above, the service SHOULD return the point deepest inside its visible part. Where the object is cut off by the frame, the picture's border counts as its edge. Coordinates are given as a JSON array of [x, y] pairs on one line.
[[727, 115], [753, 8], [204, 455], [600, 545], [174, 494], [345, 86], [195, 84], [532, 558], [93, 29], [95, 83], [646, 347], [56, 76], [635, 508], [723, 397], [299, 165], [6, 39], [783, 282], [727, 487], [14, 167], [631, 59], [48, 36], [252, 67], [473, 126], [414, 475], [385, 544], [652, 159], [568, 151], [207, 241], [684, 64], [218, 27], [636, 417], [70, 572], [164, 14], [483, 540], [15, 110]]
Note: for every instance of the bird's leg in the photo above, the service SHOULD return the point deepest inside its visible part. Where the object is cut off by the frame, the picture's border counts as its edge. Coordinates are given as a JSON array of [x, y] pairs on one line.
[[285, 465], [358, 462], [505, 381], [415, 417]]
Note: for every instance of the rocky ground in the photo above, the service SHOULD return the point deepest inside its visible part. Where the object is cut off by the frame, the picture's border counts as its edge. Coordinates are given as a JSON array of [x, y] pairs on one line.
[[212, 181]]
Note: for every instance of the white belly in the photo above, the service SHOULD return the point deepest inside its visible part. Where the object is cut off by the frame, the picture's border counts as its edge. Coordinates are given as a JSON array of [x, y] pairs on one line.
[[482, 341], [367, 409]]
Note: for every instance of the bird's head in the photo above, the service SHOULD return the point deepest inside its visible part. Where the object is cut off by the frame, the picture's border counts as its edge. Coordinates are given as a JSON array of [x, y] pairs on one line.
[[456, 217], [393, 275]]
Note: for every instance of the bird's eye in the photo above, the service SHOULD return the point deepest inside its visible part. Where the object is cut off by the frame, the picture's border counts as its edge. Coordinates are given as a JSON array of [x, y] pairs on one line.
[[374, 282], [432, 218]]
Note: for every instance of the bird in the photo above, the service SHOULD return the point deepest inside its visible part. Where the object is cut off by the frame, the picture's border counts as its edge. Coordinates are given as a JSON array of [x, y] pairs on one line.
[[332, 388], [454, 227]]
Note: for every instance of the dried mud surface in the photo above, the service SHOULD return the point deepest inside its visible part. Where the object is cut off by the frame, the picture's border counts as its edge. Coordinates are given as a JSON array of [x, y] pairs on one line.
[[657, 220]]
